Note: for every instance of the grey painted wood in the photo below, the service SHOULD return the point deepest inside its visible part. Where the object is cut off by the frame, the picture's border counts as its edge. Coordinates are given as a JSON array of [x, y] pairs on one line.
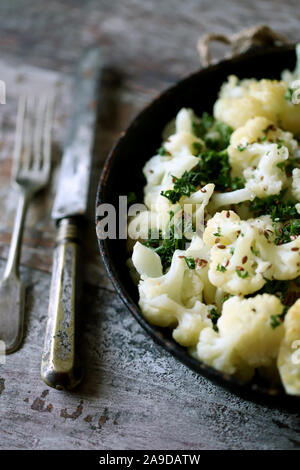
[[134, 395]]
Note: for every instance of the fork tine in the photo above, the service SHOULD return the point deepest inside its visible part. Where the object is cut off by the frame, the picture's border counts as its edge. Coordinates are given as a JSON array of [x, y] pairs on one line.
[[19, 135], [38, 133], [28, 132], [47, 134]]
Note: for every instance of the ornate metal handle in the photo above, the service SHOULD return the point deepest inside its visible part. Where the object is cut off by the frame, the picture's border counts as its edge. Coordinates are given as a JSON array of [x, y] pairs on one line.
[[260, 35], [60, 367]]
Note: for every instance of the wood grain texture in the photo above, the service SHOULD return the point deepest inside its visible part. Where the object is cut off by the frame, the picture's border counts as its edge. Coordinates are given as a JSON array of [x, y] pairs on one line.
[[134, 395]]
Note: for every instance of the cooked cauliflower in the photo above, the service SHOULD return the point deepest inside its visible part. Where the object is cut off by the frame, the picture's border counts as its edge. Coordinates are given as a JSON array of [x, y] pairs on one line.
[[289, 352], [246, 339], [175, 298], [241, 100], [296, 183], [243, 255], [208, 274], [257, 152]]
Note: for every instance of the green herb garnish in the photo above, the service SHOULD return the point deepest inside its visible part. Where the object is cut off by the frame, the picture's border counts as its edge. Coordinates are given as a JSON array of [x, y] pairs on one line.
[[221, 268], [214, 316], [242, 274], [162, 151], [166, 246], [275, 320], [190, 262]]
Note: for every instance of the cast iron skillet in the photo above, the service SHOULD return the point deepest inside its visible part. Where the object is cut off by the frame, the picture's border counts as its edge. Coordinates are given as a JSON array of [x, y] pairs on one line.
[[122, 173]]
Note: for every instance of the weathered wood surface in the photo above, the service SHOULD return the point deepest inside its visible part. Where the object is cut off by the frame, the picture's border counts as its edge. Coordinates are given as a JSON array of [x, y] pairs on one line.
[[135, 395]]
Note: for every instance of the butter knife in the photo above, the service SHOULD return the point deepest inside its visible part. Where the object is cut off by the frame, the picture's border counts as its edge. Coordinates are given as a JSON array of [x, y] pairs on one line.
[[60, 366]]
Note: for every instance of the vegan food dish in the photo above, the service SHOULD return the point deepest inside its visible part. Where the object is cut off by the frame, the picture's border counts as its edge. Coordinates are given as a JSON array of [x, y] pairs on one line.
[[216, 253]]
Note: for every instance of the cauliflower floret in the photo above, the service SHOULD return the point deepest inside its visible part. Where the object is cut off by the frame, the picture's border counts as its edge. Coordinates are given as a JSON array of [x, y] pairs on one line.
[[180, 149], [243, 255], [146, 261], [233, 266], [195, 205], [229, 198], [258, 129], [173, 167], [184, 120], [246, 339], [289, 353], [296, 183], [242, 100], [256, 152], [175, 298], [267, 179]]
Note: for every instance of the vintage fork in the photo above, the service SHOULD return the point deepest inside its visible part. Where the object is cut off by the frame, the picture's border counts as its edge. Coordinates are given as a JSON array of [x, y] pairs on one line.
[[31, 170]]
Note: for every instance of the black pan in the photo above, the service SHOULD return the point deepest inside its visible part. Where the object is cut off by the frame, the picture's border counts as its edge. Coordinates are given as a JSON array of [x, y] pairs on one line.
[[122, 173]]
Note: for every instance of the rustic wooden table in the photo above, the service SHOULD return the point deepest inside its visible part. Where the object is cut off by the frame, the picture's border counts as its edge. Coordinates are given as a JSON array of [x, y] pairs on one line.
[[135, 395]]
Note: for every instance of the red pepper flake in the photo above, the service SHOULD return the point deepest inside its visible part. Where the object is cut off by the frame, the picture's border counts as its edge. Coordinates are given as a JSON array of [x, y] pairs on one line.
[[181, 256], [222, 247], [227, 214], [227, 263], [295, 248], [238, 232], [151, 171], [244, 259], [240, 268], [217, 240], [262, 177], [203, 190]]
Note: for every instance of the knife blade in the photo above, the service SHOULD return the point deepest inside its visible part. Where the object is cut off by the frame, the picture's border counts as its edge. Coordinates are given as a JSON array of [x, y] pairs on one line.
[[60, 366]]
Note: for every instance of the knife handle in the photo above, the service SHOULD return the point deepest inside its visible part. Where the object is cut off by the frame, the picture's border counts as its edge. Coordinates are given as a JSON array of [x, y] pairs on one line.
[[60, 368]]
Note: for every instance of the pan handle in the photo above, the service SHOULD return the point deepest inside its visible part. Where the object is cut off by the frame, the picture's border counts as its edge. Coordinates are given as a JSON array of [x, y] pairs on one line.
[[259, 36]]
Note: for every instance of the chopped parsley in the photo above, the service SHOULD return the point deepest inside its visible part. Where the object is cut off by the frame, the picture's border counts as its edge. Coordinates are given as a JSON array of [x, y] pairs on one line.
[[190, 262], [241, 147], [218, 232], [221, 268], [284, 233], [242, 274], [213, 167], [183, 186], [215, 134], [214, 316], [162, 151], [198, 147], [281, 165], [131, 198], [255, 252], [283, 213], [165, 247], [289, 94], [275, 320], [278, 209]]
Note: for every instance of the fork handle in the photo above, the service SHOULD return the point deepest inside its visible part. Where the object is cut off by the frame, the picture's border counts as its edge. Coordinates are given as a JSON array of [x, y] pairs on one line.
[[60, 368], [12, 291], [12, 265]]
